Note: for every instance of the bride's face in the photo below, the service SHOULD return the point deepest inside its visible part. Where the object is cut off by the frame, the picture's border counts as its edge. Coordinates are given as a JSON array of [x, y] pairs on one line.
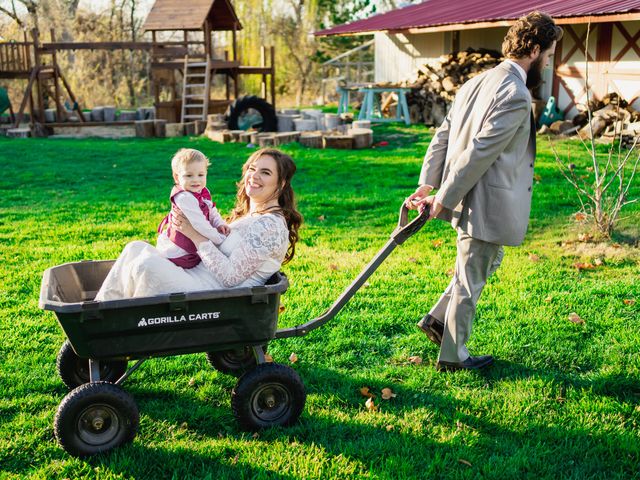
[[261, 180]]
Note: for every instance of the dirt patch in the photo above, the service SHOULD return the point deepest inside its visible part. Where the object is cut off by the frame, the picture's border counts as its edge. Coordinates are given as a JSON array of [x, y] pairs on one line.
[[610, 250]]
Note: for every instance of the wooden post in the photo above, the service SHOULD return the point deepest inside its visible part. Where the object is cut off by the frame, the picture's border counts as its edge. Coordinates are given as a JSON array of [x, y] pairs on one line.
[[155, 87], [208, 45], [235, 59], [27, 51], [56, 80], [273, 77], [226, 77], [36, 49], [263, 64], [234, 42]]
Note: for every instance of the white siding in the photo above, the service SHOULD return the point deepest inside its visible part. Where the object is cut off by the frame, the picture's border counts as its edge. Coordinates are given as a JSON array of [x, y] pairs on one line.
[[398, 55], [622, 76]]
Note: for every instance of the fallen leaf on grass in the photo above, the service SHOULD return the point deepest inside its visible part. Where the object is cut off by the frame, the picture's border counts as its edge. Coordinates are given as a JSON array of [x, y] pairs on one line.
[[465, 462], [437, 243], [629, 301], [580, 217], [615, 245], [575, 318], [584, 266], [293, 358], [413, 260], [415, 360], [533, 257], [387, 393], [268, 358], [333, 267], [281, 308], [537, 177], [192, 382], [372, 407], [321, 218], [585, 237], [450, 272], [366, 393], [389, 428]]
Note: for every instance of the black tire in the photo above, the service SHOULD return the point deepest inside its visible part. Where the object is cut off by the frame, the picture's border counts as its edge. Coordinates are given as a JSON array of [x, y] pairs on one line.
[[234, 362], [74, 371], [95, 418], [252, 112], [269, 395]]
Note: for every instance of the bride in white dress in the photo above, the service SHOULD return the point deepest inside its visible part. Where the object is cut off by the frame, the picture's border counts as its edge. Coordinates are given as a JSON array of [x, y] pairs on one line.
[[264, 230]]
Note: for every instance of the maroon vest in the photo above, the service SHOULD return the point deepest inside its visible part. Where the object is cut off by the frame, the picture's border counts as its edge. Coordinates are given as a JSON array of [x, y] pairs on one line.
[[191, 259]]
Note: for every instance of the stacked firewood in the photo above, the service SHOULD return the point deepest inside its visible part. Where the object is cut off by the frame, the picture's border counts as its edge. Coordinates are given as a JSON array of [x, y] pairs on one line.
[[437, 83], [611, 117]]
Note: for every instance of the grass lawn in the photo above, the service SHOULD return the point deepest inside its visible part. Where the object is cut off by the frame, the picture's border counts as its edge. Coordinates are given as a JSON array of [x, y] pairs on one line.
[[562, 400]]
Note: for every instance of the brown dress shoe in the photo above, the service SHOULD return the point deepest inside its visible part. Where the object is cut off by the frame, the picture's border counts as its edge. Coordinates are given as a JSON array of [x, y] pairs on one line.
[[433, 328], [471, 363]]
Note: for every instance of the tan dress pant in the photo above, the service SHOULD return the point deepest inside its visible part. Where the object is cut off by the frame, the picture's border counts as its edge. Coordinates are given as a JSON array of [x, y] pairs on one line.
[[476, 261]]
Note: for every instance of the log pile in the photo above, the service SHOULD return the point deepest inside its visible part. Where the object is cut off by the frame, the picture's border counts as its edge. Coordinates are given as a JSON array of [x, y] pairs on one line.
[[433, 92], [342, 137], [611, 118]]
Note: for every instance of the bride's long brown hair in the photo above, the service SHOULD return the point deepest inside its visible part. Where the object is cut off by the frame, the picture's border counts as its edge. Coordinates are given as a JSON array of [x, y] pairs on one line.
[[286, 198]]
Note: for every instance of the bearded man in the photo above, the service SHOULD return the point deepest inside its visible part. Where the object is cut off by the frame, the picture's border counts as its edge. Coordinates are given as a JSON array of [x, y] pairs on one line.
[[480, 162]]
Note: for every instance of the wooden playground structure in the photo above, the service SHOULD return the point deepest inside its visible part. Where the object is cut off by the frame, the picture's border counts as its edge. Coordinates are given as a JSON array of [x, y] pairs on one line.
[[182, 72]]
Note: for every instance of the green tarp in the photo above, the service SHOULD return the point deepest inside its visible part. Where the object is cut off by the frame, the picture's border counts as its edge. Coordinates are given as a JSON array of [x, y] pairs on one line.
[[4, 100]]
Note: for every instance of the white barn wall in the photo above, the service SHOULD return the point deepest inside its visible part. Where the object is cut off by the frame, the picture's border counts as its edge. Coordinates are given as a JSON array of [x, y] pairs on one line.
[[605, 76], [399, 55]]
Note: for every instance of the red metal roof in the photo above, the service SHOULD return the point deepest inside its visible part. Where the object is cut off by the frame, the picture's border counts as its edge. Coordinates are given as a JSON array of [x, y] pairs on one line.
[[433, 13]]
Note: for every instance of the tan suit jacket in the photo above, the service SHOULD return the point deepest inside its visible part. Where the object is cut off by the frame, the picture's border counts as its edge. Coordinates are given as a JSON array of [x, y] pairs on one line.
[[481, 158]]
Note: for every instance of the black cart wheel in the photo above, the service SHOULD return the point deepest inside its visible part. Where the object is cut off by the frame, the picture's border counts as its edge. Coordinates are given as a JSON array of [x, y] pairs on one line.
[[252, 112], [234, 362], [94, 418], [74, 371], [269, 395]]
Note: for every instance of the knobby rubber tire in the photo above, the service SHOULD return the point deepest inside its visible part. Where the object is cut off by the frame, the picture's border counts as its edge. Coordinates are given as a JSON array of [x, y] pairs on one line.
[[95, 418], [74, 371], [234, 362], [243, 104], [269, 395]]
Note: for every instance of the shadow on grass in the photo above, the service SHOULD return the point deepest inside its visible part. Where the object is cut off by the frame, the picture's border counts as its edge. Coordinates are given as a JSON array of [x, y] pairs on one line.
[[621, 387], [433, 434]]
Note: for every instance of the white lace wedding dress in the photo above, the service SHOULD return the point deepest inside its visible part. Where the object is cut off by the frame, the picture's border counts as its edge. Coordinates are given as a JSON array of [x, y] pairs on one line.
[[253, 251]]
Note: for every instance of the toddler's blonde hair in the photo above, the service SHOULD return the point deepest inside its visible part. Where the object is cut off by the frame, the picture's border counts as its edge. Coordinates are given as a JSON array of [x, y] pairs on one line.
[[185, 156]]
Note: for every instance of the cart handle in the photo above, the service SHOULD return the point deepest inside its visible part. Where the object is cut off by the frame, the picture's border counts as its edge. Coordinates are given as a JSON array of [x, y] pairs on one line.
[[404, 230]]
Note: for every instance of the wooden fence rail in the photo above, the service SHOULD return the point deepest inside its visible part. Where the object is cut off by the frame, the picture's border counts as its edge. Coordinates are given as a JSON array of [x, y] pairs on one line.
[[15, 57]]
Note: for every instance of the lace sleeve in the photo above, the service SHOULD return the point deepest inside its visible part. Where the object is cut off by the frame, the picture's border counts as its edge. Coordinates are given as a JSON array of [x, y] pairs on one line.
[[265, 239]]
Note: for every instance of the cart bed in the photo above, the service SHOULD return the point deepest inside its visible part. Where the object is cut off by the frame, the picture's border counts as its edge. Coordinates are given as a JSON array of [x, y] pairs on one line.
[[169, 324]]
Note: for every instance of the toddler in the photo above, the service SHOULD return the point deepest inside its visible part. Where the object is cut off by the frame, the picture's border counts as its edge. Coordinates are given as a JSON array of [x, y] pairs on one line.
[[191, 196]]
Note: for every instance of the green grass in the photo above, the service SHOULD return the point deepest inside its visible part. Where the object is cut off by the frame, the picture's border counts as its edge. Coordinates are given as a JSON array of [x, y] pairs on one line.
[[562, 400]]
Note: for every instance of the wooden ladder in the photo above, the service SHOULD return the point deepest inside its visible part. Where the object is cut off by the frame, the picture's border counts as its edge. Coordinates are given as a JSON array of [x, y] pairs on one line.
[[195, 90]]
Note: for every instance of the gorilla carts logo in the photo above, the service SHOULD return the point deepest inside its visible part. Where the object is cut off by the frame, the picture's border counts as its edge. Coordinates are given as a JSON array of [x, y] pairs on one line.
[[192, 317]]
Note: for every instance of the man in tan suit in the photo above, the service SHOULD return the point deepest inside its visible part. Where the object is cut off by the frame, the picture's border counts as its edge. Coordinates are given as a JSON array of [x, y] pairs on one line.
[[480, 161]]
